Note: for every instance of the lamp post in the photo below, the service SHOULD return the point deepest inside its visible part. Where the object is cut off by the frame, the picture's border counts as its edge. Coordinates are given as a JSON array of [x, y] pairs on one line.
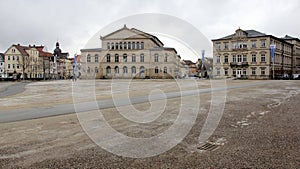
[[272, 50], [202, 66]]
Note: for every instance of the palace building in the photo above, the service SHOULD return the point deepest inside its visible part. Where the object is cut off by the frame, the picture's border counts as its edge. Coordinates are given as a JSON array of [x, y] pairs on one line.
[[246, 54], [130, 53]]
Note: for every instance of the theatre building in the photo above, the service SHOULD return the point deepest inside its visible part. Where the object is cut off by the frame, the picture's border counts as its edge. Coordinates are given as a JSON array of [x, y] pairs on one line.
[[246, 54], [129, 53]]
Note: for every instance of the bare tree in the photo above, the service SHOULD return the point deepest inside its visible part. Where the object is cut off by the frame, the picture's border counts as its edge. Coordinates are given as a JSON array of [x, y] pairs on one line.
[[24, 63]]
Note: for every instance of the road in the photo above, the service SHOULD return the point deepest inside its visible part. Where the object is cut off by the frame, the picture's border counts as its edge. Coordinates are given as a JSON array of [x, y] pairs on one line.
[[40, 112]]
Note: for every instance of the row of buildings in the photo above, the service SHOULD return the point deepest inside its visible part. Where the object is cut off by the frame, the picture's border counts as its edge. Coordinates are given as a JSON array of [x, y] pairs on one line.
[[246, 54], [34, 62], [131, 53]]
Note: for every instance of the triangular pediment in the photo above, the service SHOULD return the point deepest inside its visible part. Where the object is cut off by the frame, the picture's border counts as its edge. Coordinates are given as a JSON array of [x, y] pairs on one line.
[[126, 33]]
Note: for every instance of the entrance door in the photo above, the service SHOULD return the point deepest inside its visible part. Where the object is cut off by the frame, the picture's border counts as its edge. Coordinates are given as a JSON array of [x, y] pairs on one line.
[[239, 73]]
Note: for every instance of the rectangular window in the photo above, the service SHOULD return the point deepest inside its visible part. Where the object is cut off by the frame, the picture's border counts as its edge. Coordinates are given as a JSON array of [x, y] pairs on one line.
[[18, 66], [218, 46], [96, 59], [142, 58], [234, 45], [218, 59], [137, 45], [142, 45], [133, 58], [239, 58], [263, 43], [253, 44], [8, 66], [226, 59], [244, 71], [263, 58], [88, 59], [226, 72], [108, 58], [116, 58], [125, 45], [253, 58], [233, 71], [108, 45], [218, 72], [129, 45], [156, 57], [133, 45], [96, 69], [244, 58], [233, 58], [263, 71], [253, 71], [226, 45], [166, 58], [8, 57], [121, 45]]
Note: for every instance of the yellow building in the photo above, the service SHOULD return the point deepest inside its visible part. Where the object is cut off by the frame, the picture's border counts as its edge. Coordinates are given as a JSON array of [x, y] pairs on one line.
[[130, 53], [246, 54], [27, 61]]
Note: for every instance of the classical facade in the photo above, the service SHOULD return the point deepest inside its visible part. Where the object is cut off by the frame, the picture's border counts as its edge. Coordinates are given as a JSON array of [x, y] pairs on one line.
[[246, 54], [130, 53], [296, 53]]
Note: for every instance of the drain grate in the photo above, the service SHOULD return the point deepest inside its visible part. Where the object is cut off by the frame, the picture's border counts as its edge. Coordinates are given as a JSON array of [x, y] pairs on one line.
[[208, 147]]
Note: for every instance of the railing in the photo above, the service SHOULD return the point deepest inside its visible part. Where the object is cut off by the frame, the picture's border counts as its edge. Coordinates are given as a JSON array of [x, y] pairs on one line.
[[239, 64]]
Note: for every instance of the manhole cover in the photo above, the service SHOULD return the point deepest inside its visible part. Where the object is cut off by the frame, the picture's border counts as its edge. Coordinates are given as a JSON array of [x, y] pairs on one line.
[[208, 147]]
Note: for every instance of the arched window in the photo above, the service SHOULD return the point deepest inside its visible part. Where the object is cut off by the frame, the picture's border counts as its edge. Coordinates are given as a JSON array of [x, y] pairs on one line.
[[108, 58], [121, 47], [116, 58], [108, 70], [125, 70], [156, 70], [142, 71], [137, 45], [133, 45], [165, 70], [116, 70], [133, 70], [124, 57]]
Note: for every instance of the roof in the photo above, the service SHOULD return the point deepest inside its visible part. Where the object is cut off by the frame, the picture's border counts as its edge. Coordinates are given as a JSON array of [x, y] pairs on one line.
[[91, 50], [188, 62], [21, 49], [287, 37], [139, 32], [249, 33]]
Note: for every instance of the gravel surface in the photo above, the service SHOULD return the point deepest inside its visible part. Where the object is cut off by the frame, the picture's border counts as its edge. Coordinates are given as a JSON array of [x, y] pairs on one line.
[[259, 129]]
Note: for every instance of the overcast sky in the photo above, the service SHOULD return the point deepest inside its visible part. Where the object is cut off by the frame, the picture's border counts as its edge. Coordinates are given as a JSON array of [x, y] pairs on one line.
[[74, 22]]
